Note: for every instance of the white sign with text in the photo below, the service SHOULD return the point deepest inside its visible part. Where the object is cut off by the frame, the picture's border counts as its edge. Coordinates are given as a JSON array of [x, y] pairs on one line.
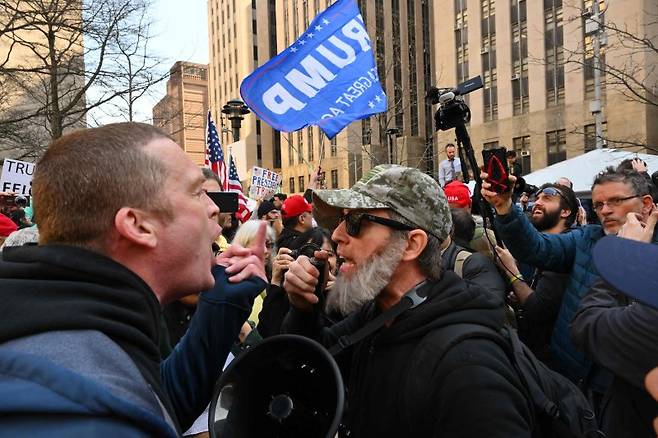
[[17, 177], [264, 183]]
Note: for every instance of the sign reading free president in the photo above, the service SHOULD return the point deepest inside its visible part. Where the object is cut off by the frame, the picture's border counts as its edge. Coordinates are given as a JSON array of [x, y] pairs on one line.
[[264, 183], [17, 177], [326, 78]]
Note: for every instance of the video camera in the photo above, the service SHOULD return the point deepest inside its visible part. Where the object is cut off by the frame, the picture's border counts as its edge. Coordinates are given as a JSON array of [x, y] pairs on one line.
[[453, 111]]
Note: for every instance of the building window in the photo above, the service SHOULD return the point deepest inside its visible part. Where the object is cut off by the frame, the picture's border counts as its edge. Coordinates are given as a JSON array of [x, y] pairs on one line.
[[490, 145], [554, 45], [520, 94], [397, 66], [380, 37], [461, 39], [300, 147], [334, 179], [556, 146], [365, 131], [291, 151], [488, 52], [334, 147], [295, 22], [590, 136], [522, 149], [301, 183], [311, 154], [291, 185], [413, 77], [276, 141]]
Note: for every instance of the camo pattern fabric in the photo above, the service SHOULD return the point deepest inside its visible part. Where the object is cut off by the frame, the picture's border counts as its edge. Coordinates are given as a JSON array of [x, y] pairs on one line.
[[409, 192]]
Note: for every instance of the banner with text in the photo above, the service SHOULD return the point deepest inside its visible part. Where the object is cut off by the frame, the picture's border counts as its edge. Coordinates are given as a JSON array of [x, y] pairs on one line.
[[264, 183], [326, 78], [17, 177]]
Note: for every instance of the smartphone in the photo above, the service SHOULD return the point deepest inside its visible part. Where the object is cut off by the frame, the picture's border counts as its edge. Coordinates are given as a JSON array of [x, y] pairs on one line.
[[226, 201], [495, 165]]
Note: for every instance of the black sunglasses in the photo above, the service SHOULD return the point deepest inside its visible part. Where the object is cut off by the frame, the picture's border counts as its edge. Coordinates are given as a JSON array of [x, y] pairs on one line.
[[353, 222]]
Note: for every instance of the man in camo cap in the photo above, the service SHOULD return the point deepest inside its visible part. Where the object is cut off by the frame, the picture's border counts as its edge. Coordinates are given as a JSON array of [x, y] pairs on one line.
[[389, 229]]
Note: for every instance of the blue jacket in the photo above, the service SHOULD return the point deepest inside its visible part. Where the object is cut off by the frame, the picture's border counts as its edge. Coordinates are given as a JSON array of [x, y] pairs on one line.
[[569, 253], [63, 369]]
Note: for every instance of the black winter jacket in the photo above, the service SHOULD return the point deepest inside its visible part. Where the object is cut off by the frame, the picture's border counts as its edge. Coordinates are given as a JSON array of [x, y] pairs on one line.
[[623, 339], [397, 387]]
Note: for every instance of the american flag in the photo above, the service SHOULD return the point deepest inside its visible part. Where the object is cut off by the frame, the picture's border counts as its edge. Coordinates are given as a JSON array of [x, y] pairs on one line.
[[214, 154], [234, 185]]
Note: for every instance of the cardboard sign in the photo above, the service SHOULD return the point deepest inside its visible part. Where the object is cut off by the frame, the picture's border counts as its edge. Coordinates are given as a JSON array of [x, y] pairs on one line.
[[17, 177], [264, 183]]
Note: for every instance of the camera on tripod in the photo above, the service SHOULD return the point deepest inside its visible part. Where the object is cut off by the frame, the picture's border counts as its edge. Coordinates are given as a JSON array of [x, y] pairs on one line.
[[453, 111]]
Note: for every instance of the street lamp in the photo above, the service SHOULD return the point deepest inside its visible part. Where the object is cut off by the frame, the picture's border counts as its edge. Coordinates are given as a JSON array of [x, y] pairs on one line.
[[390, 133], [235, 110]]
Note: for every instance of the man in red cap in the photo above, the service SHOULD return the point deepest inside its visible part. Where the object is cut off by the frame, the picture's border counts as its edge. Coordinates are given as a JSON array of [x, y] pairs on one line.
[[297, 218], [458, 195]]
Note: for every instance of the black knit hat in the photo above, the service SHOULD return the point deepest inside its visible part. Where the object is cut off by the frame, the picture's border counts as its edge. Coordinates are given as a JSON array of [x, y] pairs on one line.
[[264, 208]]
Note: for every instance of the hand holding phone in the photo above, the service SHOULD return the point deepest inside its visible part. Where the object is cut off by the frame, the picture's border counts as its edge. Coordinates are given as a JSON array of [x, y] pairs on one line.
[[495, 166]]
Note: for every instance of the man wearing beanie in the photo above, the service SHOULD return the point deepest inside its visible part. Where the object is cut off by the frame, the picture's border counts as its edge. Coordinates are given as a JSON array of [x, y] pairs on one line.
[[390, 228], [269, 213]]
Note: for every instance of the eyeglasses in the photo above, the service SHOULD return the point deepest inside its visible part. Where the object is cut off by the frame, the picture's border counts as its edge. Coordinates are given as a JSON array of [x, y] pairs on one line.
[[612, 202], [353, 222]]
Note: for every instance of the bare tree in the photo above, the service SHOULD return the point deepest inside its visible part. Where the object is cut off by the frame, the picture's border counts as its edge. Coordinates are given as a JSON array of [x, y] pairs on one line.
[[54, 51], [627, 62]]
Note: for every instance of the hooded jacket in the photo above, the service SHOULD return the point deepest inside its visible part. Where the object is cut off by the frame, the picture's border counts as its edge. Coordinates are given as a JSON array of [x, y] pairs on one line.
[[79, 347], [398, 387]]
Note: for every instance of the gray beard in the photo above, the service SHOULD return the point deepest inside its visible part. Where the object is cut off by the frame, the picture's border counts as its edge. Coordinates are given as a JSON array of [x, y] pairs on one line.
[[349, 294]]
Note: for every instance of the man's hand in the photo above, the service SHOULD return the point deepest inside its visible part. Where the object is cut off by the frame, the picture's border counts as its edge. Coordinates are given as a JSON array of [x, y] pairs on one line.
[[635, 229], [639, 166], [506, 262], [315, 182], [242, 263], [502, 202], [280, 264], [300, 281]]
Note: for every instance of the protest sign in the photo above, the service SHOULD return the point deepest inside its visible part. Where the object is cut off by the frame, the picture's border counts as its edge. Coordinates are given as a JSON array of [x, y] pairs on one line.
[[17, 177], [264, 183]]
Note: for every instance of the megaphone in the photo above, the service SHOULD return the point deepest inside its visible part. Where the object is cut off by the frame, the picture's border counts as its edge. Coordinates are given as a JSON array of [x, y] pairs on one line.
[[286, 386]]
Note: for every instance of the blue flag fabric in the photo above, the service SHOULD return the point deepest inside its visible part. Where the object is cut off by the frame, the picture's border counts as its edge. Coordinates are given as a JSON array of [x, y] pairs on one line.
[[327, 78]]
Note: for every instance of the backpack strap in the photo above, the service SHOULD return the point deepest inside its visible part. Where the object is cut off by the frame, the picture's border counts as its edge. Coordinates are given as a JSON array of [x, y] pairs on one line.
[[459, 262], [410, 300]]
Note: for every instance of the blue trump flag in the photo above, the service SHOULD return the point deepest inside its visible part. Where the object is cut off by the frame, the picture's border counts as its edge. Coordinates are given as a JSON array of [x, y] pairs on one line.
[[326, 78]]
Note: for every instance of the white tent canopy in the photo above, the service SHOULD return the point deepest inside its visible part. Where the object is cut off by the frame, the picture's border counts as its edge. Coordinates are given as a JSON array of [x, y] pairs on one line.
[[582, 170]]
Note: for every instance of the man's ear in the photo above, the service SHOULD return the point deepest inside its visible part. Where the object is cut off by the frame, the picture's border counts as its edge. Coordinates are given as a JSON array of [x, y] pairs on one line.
[[137, 226], [416, 243], [647, 206], [565, 213]]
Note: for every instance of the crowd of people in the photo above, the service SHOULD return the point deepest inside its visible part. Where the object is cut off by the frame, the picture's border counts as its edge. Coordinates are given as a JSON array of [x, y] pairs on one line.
[[125, 301]]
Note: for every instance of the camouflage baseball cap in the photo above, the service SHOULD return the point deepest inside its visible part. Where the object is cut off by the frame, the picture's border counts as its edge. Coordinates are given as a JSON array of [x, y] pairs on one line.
[[409, 192]]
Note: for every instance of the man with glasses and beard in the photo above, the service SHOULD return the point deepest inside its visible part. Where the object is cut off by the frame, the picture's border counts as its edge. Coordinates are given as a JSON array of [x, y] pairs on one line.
[[616, 195], [403, 379], [540, 296]]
